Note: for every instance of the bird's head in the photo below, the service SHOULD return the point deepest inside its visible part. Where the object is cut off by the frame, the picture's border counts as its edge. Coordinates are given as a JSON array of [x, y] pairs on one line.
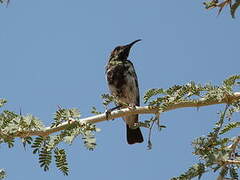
[[122, 52]]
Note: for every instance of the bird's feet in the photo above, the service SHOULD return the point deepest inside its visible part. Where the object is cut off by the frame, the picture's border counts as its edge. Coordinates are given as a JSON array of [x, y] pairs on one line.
[[108, 111], [131, 106]]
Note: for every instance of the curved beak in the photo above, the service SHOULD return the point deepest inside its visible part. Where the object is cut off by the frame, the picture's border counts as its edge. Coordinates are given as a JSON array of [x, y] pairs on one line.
[[132, 43], [126, 49]]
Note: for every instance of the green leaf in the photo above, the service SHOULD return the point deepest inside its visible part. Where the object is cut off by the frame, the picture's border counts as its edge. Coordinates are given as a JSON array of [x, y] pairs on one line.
[[89, 140], [224, 171], [152, 92], [231, 81], [2, 102], [45, 158], [2, 174], [107, 99], [27, 140], [61, 160], [233, 172], [9, 141], [37, 144], [234, 8], [229, 127], [95, 111], [210, 4], [63, 115], [195, 171]]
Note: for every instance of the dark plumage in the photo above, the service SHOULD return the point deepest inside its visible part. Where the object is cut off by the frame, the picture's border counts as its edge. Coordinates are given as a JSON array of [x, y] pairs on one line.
[[123, 84]]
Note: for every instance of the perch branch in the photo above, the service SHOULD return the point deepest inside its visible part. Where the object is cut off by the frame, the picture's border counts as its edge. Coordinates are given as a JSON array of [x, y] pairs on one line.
[[125, 112]]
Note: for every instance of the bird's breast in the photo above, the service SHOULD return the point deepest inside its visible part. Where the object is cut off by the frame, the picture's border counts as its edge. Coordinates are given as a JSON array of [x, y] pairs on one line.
[[122, 82], [118, 74]]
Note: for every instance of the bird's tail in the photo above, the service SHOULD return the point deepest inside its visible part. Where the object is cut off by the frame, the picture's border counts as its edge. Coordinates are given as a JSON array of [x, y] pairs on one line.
[[134, 135]]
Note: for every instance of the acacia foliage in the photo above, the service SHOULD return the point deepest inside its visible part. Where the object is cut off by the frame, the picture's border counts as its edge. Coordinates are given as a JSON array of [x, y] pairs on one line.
[[220, 4], [209, 4], [216, 151], [13, 125]]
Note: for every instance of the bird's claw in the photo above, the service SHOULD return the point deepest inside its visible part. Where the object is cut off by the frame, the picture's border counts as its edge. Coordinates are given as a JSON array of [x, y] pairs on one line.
[[132, 107], [108, 113]]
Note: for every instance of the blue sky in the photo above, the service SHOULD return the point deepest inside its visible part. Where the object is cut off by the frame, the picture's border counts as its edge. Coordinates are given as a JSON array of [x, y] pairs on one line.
[[54, 53]]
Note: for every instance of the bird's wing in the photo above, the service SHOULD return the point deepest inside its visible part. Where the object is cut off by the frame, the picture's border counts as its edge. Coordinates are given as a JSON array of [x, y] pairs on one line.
[[133, 88]]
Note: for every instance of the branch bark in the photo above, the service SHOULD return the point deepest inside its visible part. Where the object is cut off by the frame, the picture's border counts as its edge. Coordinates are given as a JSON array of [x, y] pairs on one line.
[[232, 162], [127, 111]]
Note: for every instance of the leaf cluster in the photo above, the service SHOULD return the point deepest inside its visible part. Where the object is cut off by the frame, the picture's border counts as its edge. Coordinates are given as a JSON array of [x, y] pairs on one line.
[[107, 99], [45, 147], [63, 115], [216, 151], [191, 92], [13, 125], [233, 5], [178, 93], [2, 174]]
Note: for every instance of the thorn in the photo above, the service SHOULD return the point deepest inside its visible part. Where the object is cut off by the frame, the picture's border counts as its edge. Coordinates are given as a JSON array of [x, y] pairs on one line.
[[20, 111]]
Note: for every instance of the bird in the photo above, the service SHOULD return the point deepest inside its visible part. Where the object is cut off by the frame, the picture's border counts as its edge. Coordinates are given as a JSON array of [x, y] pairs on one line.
[[123, 85]]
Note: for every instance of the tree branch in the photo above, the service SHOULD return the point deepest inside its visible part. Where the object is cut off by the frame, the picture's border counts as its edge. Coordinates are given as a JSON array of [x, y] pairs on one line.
[[231, 162], [125, 112]]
